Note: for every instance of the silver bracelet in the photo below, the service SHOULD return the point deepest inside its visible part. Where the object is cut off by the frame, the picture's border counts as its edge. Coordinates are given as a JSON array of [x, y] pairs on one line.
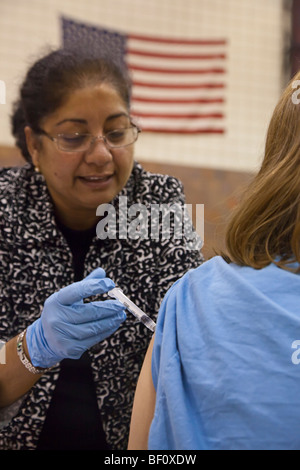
[[23, 358]]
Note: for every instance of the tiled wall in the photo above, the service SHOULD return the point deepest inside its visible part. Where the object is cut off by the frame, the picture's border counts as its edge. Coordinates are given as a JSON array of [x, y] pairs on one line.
[[254, 30]]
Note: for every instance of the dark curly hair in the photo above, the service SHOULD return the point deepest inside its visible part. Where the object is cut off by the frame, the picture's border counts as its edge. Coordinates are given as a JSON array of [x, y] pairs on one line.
[[50, 81]]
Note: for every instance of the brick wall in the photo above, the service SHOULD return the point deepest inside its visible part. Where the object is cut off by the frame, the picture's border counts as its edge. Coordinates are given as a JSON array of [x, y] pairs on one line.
[[218, 190]]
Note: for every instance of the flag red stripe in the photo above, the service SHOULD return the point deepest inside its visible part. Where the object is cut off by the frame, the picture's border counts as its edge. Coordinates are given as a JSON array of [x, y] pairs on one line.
[[179, 116], [177, 71], [181, 86], [162, 71], [183, 131], [199, 42], [159, 55], [141, 99]]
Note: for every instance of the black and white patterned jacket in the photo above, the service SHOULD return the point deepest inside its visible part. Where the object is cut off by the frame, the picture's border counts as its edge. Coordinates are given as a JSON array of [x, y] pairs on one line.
[[36, 261]]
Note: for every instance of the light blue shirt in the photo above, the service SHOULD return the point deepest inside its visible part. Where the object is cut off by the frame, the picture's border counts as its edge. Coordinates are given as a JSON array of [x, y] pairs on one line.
[[226, 362]]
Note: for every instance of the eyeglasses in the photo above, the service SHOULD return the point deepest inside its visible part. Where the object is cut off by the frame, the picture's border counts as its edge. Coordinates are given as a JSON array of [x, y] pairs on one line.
[[76, 142]]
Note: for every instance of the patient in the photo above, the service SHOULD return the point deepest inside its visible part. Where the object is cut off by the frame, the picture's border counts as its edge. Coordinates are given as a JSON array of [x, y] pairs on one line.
[[221, 372]]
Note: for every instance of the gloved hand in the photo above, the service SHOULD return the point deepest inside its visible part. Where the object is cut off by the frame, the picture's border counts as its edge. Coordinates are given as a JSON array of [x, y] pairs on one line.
[[68, 326]]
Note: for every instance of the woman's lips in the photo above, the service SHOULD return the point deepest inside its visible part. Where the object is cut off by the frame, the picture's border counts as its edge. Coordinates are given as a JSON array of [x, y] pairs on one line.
[[96, 181]]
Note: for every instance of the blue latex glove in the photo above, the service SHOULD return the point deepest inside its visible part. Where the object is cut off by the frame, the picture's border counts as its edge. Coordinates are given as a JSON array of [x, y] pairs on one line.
[[68, 326]]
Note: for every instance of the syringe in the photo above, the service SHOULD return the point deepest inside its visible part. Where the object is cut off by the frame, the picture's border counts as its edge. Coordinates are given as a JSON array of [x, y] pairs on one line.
[[118, 294]]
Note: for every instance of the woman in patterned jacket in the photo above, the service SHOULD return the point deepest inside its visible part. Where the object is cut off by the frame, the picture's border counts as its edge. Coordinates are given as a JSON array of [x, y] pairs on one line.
[[63, 214]]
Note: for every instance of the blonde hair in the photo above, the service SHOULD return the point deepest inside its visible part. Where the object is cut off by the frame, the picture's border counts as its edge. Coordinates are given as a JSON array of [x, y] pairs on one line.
[[265, 227]]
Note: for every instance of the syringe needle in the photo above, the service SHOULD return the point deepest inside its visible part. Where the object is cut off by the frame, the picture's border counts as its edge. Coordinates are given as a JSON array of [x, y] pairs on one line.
[[118, 294]]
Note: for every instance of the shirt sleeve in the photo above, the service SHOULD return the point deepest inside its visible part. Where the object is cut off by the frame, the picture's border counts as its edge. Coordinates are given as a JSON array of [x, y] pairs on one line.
[[171, 426]]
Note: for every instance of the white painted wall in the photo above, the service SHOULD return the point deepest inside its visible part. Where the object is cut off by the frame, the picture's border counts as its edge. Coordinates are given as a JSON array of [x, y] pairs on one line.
[[254, 29]]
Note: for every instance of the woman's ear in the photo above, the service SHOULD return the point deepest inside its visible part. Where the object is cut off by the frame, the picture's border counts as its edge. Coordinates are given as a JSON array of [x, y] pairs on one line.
[[33, 145]]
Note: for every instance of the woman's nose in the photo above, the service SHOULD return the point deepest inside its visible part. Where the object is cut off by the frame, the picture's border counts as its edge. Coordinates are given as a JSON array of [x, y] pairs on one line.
[[98, 152]]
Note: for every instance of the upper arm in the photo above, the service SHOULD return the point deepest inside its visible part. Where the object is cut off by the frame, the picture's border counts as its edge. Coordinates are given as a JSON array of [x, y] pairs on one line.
[[143, 406]]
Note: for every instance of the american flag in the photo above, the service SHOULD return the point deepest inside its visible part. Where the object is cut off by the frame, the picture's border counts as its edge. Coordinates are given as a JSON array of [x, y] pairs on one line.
[[178, 85]]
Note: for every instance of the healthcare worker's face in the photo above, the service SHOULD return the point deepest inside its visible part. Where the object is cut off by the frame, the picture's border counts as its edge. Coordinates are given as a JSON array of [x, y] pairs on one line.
[[80, 181]]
